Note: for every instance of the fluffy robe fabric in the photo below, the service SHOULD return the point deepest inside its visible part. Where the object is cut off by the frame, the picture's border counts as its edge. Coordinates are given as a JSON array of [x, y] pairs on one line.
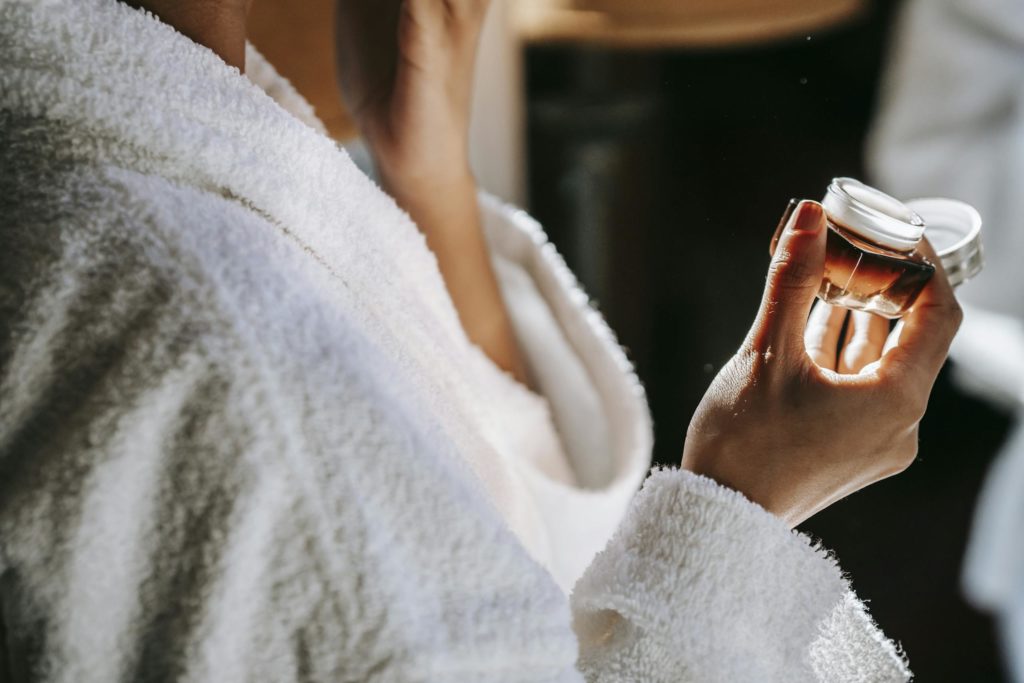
[[243, 437]]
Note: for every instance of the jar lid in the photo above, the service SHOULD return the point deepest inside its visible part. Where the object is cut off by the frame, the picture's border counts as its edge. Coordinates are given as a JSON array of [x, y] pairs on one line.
[[873, 215], [954, 231]]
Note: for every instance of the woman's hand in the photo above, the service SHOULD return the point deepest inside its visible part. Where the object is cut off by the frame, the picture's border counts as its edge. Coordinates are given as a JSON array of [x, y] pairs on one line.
[[406, 72], [794, 421]]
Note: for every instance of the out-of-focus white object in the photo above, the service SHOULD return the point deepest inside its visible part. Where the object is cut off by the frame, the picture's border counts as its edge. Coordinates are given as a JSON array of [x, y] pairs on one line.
[[990, 357], [951, 123], [994, 573], [497, 132]]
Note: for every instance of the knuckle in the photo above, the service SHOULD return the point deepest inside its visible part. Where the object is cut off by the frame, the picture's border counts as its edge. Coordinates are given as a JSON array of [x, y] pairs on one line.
[[903, 373], [946, 313], [907, 454], [916, 408], [956, 315], [910, 403], [901, 462], [789, 273], [903, 397], [901, 457]]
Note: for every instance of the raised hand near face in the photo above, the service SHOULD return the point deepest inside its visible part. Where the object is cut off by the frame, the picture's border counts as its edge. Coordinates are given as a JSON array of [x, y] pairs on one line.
[[406, 72]]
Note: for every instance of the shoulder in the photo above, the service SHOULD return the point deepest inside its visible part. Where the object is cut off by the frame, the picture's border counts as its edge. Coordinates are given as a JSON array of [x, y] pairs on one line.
[[121, 242], [93, 250], [131, 278], [112, 300], [99, 290]]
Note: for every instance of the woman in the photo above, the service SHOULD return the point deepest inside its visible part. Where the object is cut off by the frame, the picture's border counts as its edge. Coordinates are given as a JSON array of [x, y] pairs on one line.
[[252, 428]]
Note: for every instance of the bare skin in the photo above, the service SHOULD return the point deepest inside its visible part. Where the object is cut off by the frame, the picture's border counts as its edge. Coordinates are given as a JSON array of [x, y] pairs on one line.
[[218, 24], [405, 68], [299, 40], [795, 421]]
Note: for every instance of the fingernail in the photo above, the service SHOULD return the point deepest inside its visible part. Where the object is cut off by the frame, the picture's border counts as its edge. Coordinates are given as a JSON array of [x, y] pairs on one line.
[[782, 225], [807, 217]]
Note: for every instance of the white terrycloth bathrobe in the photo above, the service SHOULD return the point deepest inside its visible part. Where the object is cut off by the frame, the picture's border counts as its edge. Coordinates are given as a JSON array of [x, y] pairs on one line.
[[244, 438]]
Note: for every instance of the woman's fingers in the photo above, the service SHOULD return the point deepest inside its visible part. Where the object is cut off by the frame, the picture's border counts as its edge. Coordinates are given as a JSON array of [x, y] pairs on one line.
[[793, 281], [866, 336], [893, 340], [865, 339], [821, 338], [927, 329], [366, 50]]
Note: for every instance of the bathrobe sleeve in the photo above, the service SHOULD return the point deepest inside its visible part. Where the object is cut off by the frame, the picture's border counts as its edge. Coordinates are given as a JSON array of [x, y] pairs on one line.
[[212, 468], [169, 509], [694, 582], [700, 584]]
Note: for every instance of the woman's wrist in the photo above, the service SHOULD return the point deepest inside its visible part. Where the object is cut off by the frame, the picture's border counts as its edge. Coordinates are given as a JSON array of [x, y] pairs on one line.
[[710, 462], [420, 174], [445, 200], [444, 207]]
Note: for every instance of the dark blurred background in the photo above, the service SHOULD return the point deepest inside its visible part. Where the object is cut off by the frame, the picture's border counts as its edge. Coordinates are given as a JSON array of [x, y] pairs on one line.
[[660, 174]]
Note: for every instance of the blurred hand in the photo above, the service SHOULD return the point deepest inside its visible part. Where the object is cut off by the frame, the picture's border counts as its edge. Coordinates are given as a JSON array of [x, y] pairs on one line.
[[406, 72], [795, 421]]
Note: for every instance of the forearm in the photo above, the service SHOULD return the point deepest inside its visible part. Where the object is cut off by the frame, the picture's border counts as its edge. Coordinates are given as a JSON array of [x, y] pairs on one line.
[[446, 211]]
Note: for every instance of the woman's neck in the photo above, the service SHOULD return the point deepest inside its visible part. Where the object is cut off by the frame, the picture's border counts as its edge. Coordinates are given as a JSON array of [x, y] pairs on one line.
[[218, 24]]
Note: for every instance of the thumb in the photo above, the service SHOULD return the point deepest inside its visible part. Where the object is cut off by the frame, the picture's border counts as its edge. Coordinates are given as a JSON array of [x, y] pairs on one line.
[[793, 282]]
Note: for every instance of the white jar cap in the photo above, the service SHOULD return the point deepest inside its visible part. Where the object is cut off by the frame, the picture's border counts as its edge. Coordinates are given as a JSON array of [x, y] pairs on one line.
[[873, 215], [954, 230]]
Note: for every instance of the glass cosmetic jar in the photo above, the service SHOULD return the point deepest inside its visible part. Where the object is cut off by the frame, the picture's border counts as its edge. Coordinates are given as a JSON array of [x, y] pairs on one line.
[[872, 260]]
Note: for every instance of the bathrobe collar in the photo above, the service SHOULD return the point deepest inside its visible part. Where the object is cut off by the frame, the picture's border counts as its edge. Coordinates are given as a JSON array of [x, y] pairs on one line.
[[169, 106], [114, 86]]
